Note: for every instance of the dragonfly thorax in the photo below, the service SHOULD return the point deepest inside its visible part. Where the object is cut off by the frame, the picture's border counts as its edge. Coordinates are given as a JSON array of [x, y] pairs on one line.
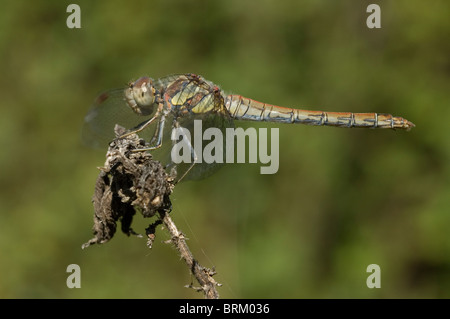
[[140, 96]]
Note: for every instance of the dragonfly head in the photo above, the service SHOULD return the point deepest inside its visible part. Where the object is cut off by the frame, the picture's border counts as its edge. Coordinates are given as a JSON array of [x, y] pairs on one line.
[[140, 96]]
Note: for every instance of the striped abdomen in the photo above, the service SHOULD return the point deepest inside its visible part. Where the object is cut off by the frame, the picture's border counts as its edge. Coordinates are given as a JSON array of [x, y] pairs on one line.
[[242, 108]]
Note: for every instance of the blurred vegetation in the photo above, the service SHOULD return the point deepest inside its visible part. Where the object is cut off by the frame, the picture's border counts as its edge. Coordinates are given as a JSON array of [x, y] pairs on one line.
[[342, 199]]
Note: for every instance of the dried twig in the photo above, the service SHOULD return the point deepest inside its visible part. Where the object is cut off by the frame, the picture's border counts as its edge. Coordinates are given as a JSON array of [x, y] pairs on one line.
[[203, 275], [131, 180]]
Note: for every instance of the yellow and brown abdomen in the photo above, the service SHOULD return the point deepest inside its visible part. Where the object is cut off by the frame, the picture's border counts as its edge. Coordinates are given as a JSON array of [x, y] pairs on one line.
[[242, 108]]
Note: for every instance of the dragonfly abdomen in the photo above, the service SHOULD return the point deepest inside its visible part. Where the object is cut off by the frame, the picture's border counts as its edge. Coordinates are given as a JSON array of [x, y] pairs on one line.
[[242, 108]]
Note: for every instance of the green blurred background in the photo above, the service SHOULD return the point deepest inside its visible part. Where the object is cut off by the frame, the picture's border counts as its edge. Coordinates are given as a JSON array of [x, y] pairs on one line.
[[342, 199]]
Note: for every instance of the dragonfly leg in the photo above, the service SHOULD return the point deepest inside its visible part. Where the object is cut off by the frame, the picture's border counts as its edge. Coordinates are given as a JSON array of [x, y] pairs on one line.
[[158, 136], [155, 134], [140, 127], [194, 157]]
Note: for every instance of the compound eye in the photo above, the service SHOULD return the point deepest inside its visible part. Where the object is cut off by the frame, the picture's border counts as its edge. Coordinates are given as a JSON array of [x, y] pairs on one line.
[[140, 96]]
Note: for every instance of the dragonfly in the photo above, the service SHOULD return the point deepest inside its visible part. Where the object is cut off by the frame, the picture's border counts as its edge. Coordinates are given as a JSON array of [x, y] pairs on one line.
[[177, 100]]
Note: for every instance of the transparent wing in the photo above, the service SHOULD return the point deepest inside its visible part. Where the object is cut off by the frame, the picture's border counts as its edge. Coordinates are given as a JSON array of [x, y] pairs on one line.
[[110, 108], [203, 169]]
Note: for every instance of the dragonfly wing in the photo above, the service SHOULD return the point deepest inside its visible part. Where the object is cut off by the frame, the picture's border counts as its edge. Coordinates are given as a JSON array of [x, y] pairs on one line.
[[110, 108], [216, 143]]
